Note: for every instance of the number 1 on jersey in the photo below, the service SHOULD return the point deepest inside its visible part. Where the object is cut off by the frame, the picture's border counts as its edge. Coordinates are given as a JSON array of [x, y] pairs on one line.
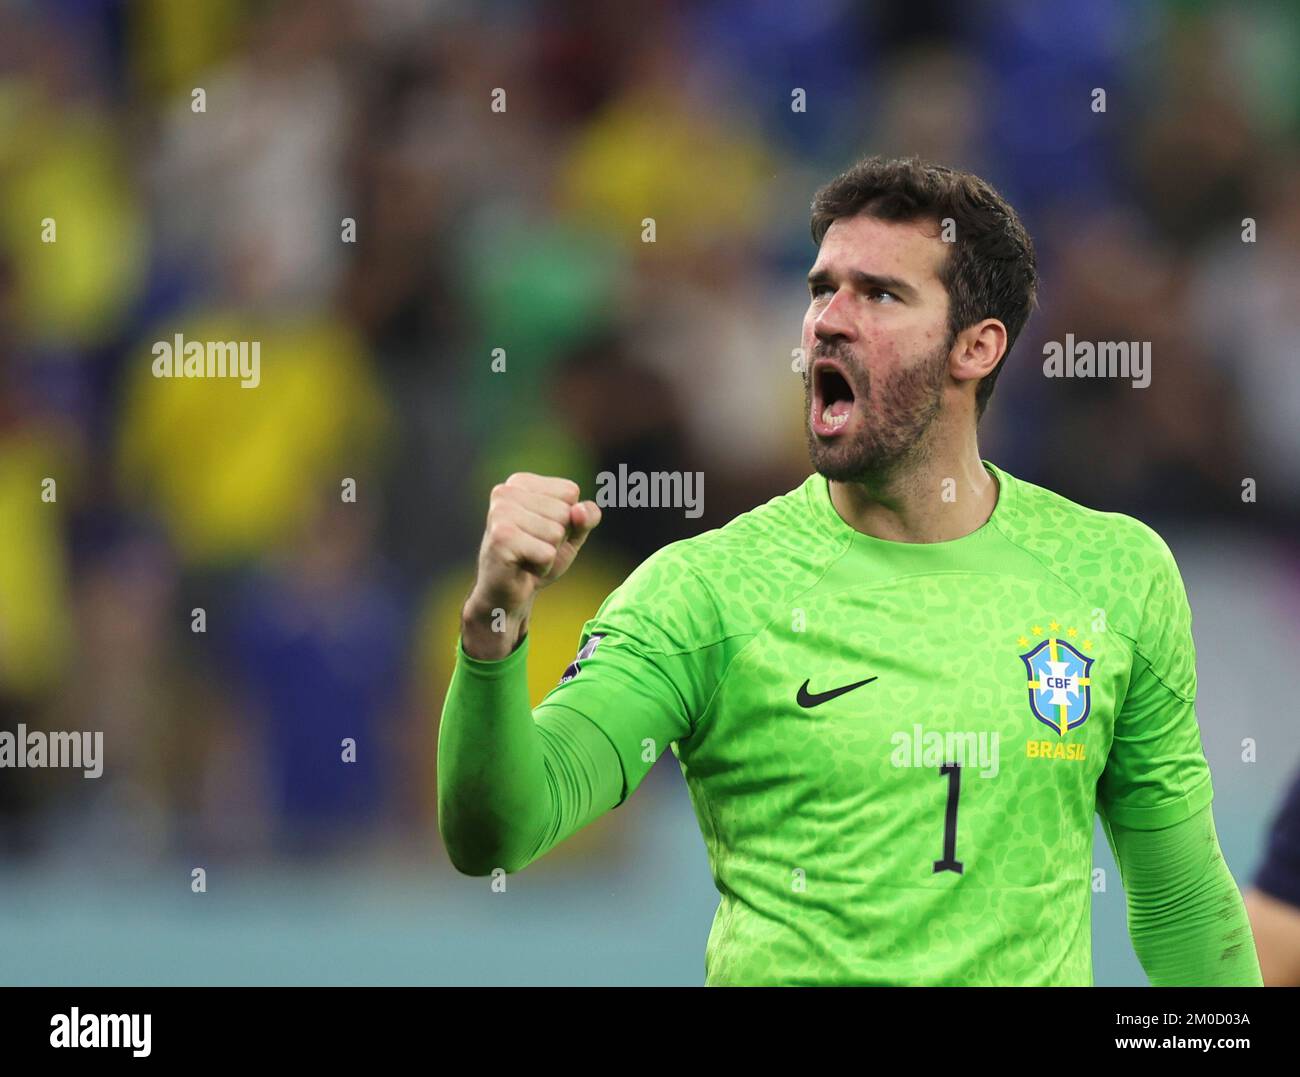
[[950, 861]]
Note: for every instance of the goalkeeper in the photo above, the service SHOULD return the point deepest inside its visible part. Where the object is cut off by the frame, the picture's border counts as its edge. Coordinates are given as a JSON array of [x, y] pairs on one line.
[[899, 693]]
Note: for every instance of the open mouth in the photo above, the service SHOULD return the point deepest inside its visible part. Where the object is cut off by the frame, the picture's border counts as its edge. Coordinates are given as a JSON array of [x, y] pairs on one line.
[[832, 397]]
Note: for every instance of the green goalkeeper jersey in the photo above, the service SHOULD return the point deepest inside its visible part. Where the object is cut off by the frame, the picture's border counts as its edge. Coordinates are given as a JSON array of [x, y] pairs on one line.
[[895, 750]]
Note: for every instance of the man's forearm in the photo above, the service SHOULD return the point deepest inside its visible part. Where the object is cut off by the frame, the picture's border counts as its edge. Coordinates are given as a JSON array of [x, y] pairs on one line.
[[1186, 916], [511, 787], [491, 779]]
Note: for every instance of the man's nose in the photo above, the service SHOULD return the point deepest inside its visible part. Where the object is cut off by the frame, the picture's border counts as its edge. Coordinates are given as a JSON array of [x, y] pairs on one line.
[[835, 319]]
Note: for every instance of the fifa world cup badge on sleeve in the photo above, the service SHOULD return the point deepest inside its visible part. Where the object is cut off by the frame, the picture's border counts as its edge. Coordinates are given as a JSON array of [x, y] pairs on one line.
[[588, 649]]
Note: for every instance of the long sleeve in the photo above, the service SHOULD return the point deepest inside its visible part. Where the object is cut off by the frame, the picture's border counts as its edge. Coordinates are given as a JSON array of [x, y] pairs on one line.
[[512, 785], [1186, 916]]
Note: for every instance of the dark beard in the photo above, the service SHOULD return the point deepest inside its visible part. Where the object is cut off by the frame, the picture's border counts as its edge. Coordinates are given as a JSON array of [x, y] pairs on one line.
[[899, 413]]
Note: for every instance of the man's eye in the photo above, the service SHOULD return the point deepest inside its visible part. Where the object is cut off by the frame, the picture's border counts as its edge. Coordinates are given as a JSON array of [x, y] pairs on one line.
[[876, 293], [821, 289]]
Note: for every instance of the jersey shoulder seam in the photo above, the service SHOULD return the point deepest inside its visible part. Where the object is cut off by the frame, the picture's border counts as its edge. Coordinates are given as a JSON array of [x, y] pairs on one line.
[[1071, 587], [681, 557], [758, 631], [1151, 668], [1137, 525]]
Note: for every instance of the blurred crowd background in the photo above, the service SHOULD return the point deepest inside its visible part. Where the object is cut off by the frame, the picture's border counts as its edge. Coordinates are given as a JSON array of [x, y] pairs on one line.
[[521, 229]]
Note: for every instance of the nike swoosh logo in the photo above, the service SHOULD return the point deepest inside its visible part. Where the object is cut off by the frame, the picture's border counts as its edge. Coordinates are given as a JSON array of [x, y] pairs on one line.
[[809, 699]]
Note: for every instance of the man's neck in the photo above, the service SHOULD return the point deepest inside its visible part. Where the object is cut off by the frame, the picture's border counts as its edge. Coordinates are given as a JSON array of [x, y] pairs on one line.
[[937, 499]]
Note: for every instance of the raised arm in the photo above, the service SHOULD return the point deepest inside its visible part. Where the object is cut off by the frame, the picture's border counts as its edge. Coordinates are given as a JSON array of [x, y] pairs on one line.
[[510, 787]]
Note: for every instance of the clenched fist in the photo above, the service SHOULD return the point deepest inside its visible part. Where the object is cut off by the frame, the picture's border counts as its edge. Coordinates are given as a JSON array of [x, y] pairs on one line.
[[535, 527]]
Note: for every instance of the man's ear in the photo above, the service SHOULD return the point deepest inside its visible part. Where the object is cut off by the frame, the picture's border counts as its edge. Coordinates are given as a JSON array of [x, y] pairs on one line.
[[978, 349]]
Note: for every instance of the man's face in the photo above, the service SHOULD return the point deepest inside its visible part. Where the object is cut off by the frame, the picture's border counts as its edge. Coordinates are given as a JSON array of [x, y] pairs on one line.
[[877, 341]]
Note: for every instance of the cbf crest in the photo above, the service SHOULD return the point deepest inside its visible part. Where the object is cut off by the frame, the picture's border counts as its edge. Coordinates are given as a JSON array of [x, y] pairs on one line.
[[1060, 678]]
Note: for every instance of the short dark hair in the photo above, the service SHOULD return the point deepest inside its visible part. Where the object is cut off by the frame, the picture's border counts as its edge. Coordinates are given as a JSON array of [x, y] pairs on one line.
[[992, 271]]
